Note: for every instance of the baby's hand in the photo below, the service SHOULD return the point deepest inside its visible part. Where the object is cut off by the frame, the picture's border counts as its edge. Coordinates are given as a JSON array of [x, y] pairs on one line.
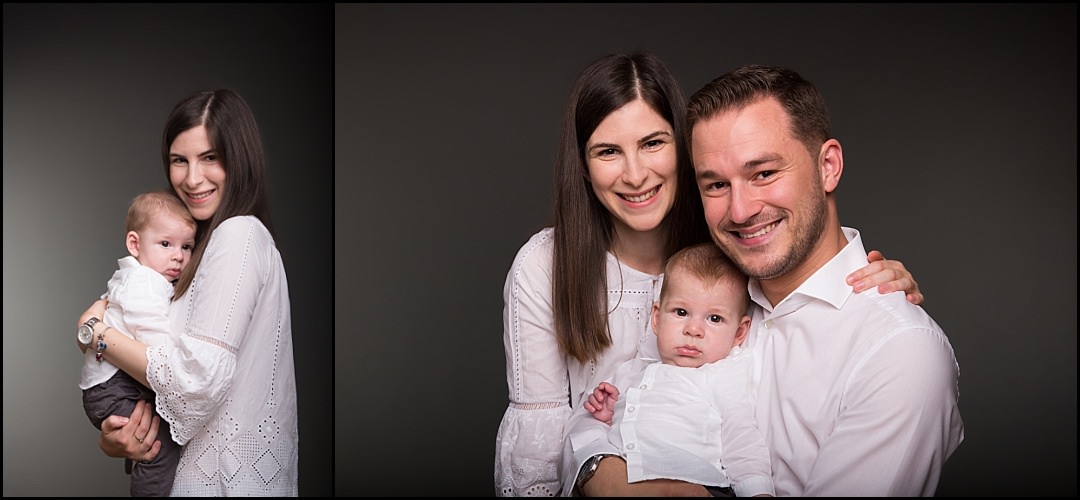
[[601, 403]]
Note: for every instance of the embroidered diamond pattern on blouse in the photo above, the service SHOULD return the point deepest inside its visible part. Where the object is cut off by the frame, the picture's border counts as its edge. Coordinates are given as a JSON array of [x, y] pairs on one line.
[[267, 466], [269, 429], [230, 463], [207, 462]]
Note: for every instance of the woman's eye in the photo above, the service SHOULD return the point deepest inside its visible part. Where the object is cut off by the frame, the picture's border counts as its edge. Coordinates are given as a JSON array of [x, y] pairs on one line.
[[653, 144]]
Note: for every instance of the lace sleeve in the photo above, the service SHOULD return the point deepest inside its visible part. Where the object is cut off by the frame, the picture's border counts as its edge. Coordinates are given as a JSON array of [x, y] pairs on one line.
[[529, 451], [210, 322], [530, 439]]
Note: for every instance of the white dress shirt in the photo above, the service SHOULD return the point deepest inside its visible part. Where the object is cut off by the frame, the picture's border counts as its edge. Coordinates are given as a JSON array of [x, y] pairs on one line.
[[543, 383], [857, 393], [228, 388], [139, 300], [692, 424]]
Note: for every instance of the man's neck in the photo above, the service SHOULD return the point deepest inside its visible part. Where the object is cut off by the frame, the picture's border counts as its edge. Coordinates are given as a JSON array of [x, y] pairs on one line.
[[832, 241]]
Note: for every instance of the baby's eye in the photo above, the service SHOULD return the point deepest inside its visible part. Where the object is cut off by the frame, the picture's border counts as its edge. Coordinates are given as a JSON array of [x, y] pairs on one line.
[[165, 244], [680, 312], [186, 248], [715, 318]]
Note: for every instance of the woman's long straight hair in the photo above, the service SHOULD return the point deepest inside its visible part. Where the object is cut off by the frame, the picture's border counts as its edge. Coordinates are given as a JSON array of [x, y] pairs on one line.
[[583, 226], [234, 136]]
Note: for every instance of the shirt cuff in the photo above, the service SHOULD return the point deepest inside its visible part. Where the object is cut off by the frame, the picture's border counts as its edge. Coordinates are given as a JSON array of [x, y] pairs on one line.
[[754, 485], [599, 445]]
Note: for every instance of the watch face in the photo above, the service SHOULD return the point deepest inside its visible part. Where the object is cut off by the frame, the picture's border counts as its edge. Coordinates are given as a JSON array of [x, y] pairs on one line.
[[86, 334]]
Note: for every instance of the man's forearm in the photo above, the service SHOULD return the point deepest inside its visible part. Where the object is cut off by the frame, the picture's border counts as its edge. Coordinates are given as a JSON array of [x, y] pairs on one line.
[[610, 481]]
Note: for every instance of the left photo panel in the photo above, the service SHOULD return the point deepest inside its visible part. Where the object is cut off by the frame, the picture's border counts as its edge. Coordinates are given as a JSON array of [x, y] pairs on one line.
[[209, 366]]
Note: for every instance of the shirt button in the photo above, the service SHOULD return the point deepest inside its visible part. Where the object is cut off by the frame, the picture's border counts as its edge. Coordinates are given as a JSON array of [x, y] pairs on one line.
[[630, 409], [768, 323], [630, 446], [643, 386]]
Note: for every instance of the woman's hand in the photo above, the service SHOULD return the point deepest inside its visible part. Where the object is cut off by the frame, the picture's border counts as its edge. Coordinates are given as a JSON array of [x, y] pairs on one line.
[[887, 275], [132, 437]]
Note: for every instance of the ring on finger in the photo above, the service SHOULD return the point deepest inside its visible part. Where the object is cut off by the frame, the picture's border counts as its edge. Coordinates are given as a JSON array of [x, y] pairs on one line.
[[137, 438]]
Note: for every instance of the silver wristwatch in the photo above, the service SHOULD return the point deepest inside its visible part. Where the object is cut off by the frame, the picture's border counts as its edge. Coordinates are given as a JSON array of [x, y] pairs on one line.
[[86, 332], [588, 469]]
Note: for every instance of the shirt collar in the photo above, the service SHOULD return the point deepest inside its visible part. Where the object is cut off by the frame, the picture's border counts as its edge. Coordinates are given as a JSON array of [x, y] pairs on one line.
[[827, 284]]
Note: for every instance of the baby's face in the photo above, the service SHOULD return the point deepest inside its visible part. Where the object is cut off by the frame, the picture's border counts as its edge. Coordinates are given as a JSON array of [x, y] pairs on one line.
[[165, 245], [697, 323]]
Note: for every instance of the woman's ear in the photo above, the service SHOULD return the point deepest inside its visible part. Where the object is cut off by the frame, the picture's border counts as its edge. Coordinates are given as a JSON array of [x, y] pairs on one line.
[[132, 242]]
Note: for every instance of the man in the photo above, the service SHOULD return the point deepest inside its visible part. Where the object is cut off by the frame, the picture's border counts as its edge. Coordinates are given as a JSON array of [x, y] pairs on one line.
[[856, 393]]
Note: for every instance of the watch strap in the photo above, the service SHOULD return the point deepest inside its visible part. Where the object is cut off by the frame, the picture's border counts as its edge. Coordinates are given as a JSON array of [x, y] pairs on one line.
[[588, 469]]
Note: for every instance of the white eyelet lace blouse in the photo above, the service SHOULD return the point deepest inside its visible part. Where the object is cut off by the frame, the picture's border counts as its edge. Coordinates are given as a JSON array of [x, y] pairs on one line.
[[544, 385], [227, 387]]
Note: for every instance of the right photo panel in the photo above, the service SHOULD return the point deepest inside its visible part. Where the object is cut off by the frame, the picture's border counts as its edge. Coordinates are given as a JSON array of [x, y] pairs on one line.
[[513, 185]]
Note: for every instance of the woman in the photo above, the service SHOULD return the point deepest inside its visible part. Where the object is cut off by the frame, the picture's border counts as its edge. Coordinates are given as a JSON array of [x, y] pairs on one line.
[[226, 385], [578, 295]]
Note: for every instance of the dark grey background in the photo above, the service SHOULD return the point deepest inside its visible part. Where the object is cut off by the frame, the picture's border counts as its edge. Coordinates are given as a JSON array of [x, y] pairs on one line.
[[959, 129], [86, 93]]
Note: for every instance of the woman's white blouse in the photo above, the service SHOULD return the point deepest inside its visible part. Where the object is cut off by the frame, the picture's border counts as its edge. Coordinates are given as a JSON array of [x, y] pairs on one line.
[[544, 384], [228, 388]]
